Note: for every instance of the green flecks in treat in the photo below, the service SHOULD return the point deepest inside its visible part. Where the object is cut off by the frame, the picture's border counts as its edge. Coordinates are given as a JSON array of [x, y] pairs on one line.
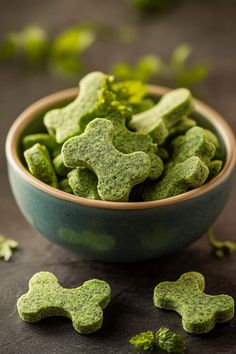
[[193, 143], [220, 248], [143, 341], [6, 247], [83, 305], [200, 312], [41, 138], [214, 168], [59, 166], [178, 179], [39, 164], [181, 127], [170, 341], [73, 118], [83, 182], [117, 173], [64, 186], [171, 108]]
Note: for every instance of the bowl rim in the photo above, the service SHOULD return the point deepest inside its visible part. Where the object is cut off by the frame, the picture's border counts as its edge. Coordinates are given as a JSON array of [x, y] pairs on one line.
[[42, 104]]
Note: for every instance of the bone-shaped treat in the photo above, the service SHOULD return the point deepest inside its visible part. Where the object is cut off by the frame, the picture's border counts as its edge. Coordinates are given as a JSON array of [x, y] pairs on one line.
[[181, 127], [171, 108], [39, 163], [200, 312], [191, 173], [43, 139], [59, 166], [127, 142], [194, 143], [83, 182], [214, 168], [73, 118], [117, 173], [83, 305]]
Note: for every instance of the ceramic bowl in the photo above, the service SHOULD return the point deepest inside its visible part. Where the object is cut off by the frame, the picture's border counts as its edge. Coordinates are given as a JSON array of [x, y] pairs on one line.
[[117, 231]]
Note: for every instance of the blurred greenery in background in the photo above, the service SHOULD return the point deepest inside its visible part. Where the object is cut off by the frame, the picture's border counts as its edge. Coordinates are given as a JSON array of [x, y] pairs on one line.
[[61, 55]]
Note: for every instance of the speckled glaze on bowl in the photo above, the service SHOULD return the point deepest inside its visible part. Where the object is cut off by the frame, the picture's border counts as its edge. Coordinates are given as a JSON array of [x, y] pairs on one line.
[[111, 231]]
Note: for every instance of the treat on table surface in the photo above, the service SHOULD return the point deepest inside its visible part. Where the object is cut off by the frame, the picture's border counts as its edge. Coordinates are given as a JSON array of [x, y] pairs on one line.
[[71, 120], [170, 341], [83, 305], [41, 138], [83, 182], [200, 312], [171, 108], [179, 178], [40, 166], [117, 173]]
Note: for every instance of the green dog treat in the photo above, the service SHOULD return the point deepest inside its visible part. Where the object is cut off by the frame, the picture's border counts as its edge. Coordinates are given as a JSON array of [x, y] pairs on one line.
[[212, 138], [83, 182], [172, 107], [59, 166], [73, 118], [127, 142], [39, 164], [214, 168], [170, 341], [182, 126], [183, 176], [41, 138], [163, 153], [117, 172], [200, 312], [193, 143], [83, 305], [64, 186]]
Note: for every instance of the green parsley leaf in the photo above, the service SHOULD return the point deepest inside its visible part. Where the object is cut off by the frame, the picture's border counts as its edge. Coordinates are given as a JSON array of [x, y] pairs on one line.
[[220, 248], [6, 246], [144, 341]]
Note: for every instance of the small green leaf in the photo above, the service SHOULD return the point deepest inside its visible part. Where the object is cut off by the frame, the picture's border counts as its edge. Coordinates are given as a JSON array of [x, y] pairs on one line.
[[6, 246], [144, 341], [73, 42], [31, 43], [220, 248], [146, 68], [180, 55]]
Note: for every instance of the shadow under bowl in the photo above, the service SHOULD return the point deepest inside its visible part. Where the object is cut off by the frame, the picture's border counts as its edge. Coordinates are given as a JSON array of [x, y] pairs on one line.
[[117, 231]]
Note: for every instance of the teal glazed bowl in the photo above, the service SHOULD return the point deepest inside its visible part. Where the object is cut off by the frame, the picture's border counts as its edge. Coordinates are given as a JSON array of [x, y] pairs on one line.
[[117, 231]]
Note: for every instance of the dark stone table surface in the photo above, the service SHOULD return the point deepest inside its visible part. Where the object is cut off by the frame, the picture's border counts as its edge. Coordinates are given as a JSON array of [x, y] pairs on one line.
[[210, 27]]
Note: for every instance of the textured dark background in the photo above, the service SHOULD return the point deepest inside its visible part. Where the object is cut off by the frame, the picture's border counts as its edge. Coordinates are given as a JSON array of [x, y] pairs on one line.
[[210, 27]]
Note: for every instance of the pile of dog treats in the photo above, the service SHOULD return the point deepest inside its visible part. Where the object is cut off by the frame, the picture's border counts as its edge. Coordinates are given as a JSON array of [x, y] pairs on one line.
[[114, 143]]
